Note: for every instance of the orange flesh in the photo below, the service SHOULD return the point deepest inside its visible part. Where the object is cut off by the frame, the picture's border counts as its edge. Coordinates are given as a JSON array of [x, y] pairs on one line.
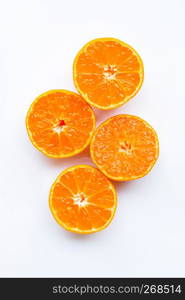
[[82, 200], [108, 72], [60, 123], [125, 147]]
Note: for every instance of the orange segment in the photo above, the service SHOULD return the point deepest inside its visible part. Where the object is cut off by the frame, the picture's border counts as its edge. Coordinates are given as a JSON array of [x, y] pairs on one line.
[[103, 199], [107, 72], [82, 199], [60, 123], [124, 147]]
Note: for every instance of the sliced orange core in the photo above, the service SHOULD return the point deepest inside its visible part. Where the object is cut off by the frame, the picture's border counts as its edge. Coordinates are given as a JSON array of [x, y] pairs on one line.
[[126, 147], [59, 127], [109, 72], [80, 199]]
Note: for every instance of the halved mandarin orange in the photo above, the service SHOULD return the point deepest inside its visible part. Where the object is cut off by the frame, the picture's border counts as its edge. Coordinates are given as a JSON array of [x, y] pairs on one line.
[[107, 72], [124, 147], [82, 199], [60, 123]]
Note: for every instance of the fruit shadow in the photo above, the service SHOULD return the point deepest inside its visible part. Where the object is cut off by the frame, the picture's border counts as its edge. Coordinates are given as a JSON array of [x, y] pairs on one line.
[[80, 237], [102, 115], [81, 158], [121, 185]]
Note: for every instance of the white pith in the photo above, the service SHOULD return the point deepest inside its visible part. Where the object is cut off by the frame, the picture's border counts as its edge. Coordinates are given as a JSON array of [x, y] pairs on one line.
[[78, 199], [107, 74]]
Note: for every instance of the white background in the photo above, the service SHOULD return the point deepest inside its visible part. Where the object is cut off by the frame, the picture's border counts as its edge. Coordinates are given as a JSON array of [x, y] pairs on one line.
[[38, 42]]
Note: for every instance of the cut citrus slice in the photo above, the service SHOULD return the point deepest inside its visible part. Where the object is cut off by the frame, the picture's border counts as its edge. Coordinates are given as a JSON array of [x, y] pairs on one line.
[[124, 147], [82, 199], [107, 72], [60, 123]]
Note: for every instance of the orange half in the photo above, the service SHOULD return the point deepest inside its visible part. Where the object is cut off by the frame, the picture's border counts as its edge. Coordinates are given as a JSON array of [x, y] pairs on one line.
[[83, 200], [124, 147], [60, 123], [108, 72]]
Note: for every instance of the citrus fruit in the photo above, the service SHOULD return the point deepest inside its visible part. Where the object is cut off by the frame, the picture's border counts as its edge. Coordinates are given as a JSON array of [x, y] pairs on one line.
[[124, 147], [82, 199], [107, 72], [60, 123]]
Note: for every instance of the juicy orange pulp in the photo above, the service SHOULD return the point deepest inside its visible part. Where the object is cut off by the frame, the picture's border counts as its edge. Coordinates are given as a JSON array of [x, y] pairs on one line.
[[124, 147], [60, 123], [82, 199], [107, 72]]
